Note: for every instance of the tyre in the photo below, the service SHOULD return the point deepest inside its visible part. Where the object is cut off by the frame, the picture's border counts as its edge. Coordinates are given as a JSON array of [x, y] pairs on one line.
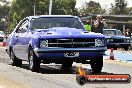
[[67, 64], [97, 64], [115, 48], [34, 62], [126, 48], [14, 61], [80, 80]]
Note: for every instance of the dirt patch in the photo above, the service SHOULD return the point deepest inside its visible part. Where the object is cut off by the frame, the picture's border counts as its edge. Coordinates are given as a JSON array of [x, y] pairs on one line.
[[7, 83]]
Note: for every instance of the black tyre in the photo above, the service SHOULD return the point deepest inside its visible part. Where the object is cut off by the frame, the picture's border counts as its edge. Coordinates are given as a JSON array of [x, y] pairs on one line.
[[67, 64], [97, 64], [115, 48], [126, 48], [34, 62], [14, 61], [81, 80]]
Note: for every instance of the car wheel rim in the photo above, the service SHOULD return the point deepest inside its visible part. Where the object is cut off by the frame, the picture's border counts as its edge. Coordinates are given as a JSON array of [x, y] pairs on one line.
[[11, 59], [31, 60]]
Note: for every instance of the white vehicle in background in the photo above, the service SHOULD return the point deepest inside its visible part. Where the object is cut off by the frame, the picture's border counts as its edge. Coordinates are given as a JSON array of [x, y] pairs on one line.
[[2, 34]]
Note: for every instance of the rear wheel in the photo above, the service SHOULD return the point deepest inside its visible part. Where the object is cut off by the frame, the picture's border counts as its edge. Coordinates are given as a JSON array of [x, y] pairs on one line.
[[97, 64], [14, 60], [34, 62]]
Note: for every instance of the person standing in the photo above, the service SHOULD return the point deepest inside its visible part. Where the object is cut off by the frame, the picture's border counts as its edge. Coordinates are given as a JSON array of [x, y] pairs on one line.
[[125, 32], [99, 24], [128, 33]]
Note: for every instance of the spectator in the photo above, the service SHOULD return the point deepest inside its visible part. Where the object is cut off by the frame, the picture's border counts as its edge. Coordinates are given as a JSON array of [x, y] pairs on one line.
[[87, 26], [125, 32], [99, 24], [128, 33]]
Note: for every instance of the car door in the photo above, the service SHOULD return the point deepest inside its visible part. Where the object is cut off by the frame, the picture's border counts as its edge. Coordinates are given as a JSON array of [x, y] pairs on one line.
[[21, 40]]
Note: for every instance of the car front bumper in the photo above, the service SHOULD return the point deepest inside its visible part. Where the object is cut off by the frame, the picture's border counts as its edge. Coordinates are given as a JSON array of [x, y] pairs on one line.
[[59, 52], [118, 44]]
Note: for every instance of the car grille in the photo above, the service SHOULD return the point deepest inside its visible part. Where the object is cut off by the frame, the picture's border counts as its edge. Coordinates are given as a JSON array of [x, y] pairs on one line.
[[71, 43], [118, 40]]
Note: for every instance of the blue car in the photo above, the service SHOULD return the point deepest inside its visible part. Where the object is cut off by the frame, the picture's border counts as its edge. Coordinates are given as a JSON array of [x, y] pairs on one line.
[[115, 39], [58, 39]]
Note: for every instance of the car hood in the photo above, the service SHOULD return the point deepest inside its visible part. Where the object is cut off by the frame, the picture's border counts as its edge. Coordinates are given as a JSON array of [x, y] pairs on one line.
[[65, 32], [116, 37]]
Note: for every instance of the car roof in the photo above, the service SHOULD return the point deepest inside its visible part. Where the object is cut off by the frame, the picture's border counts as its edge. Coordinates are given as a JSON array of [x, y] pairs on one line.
[[39, 16], [110, 29]]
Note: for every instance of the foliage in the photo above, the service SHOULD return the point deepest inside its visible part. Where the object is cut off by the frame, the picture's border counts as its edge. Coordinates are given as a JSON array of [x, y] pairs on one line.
[[23, 8], [91, 8], [119, 7], [64, 7], [4, 14]]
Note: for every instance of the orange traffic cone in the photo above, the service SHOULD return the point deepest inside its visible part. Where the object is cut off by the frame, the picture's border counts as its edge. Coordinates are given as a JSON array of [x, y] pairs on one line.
[[111, 54], [4, 41]]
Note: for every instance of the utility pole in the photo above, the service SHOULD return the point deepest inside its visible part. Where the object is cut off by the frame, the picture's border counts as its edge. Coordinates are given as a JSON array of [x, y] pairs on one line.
[[50, 7], [34, 7]]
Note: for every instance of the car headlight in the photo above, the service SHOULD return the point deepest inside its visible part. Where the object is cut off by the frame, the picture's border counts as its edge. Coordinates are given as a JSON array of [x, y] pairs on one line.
[[44, 43], [99, 42]]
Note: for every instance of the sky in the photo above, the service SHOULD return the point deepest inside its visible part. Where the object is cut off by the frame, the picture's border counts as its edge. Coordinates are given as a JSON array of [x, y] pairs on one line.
[[104, 3]]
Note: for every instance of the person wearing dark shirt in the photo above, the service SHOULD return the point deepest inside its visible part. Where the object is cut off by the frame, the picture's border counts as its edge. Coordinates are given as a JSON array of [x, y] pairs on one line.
[[128, 33], [125, 32], [99, 24]]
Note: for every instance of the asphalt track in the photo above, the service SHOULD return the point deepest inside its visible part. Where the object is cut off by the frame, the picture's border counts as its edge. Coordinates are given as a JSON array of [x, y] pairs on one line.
[[52, 76]]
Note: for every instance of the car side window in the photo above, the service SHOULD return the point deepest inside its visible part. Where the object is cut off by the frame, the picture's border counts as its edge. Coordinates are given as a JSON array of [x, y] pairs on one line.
[[22, 27]]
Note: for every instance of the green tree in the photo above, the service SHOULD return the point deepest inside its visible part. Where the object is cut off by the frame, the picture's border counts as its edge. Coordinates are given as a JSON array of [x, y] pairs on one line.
[[4, 14], [119, 8], [23, 8], [91, 8], [64, 7]]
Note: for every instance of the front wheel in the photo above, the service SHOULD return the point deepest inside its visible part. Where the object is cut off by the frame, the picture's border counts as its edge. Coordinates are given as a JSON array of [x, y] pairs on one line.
[[97, 64], [34, 62], [66, 65]]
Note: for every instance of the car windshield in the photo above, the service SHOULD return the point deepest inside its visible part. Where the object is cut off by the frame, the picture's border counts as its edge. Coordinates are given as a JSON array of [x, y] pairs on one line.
[[110, 32], [49, 22], [119, 32]]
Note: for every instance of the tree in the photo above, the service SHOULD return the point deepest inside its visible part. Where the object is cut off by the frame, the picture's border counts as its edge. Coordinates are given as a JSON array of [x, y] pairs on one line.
[[119, 8], [4, 14], [64, 7], [23, 8], [91, 8]]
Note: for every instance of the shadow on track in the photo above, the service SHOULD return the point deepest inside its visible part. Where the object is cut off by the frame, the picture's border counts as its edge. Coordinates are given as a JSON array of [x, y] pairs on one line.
[[57, 69]]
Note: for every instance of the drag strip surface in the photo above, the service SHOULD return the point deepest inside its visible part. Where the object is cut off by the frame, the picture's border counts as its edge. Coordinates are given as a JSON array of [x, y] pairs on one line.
[[52, 76]]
